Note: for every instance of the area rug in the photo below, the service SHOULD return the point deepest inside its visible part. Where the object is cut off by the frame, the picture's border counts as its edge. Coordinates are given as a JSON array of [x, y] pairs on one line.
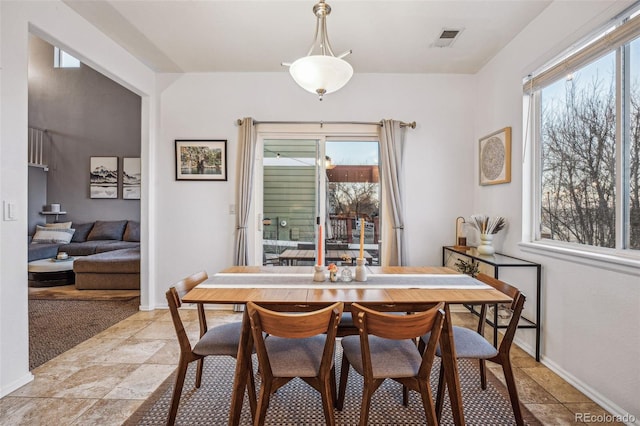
[[55, 326], [298, 404]]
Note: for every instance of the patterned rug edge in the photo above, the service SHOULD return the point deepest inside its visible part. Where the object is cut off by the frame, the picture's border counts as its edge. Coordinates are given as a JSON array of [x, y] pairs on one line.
[[139, 414]]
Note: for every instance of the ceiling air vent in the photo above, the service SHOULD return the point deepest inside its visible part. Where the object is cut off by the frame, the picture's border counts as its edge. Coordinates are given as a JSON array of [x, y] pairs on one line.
[[447, 37]]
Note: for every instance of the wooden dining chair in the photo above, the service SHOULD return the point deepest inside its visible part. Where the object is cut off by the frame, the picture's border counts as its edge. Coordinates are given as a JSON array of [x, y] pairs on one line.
[[471, 344], [298, 345], [348, 328], [219, 340], [386, 349]]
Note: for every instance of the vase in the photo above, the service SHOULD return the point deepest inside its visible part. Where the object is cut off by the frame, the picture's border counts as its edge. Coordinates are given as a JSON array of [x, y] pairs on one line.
[[361, 270], [318, 275], [333, 275], [486, 244], [346, 275]]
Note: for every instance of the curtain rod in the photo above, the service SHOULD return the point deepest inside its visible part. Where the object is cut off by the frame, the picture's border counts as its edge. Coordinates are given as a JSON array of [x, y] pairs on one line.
[[379, 123]]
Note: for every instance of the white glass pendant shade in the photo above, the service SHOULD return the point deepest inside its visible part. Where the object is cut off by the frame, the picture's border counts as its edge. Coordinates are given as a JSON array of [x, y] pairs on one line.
[[321, 74]]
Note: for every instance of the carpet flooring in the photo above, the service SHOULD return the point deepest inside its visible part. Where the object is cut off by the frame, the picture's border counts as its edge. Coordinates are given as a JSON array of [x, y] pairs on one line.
[[56, 326], [298, 404]]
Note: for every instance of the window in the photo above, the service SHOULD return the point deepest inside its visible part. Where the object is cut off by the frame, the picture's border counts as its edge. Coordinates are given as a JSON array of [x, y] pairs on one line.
[[308, 179], [587, 134], [62, 59]]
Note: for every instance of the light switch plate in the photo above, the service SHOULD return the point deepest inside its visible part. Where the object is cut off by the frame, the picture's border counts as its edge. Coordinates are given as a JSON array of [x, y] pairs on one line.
[[9, 210]]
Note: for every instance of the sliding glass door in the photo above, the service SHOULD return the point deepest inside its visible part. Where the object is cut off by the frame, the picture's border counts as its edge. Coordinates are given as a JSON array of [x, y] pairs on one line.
[[328, 181]]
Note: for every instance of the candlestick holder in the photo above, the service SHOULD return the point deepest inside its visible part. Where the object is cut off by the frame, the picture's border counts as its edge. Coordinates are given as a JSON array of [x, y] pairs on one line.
[[361, 270], [318, 275]]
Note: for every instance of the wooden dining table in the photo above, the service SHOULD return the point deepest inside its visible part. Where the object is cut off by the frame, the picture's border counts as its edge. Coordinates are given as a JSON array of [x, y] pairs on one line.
[[394, 288]]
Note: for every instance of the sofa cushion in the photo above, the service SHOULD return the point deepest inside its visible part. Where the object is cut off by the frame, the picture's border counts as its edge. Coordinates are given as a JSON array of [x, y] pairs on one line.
[[126, 261], [107, 230], [82, 231], [81, 249], [115, 245], [64, 225], [132, 231], [52, 235], [42, 251]]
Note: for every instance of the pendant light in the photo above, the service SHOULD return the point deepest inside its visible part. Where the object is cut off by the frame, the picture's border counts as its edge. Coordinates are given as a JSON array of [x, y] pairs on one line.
[[321, 71]]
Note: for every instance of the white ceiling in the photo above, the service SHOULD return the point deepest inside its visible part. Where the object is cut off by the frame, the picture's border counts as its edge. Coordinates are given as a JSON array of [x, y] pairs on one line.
[[386, 36]]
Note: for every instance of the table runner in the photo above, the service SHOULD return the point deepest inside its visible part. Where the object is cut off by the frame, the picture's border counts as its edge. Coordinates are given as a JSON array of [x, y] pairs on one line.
[[374, 281]]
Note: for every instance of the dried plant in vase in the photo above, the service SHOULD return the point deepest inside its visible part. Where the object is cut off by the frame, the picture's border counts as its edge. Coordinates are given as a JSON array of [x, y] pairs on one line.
[[486, 224], [488, 227]]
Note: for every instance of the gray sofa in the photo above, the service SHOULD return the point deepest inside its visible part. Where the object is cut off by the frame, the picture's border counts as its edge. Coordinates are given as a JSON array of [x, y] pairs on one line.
[[107, 254]]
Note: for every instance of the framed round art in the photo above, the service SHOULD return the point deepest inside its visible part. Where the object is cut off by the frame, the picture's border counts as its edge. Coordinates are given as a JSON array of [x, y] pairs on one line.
[[495, 157]]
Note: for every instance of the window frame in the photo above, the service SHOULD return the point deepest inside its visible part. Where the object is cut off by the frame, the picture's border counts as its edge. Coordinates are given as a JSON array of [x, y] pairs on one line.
[[601, 42]]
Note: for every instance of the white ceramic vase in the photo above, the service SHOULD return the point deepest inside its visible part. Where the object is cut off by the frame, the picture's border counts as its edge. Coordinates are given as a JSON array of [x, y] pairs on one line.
[[361, 270], [319, 275], [486, 244]]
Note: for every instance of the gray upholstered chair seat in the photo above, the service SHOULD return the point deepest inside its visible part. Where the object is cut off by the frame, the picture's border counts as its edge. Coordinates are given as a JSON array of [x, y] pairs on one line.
[[469, 344], [389, 358], [346, 320], [220, 340], [295, 357]]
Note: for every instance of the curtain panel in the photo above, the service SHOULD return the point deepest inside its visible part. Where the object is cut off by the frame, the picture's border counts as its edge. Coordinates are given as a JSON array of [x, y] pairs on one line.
[[391, 135], [244, 187]]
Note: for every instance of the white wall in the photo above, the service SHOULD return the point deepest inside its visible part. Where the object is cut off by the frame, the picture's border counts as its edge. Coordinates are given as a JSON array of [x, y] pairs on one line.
[[195, 227], [56, 23], [590, 316]]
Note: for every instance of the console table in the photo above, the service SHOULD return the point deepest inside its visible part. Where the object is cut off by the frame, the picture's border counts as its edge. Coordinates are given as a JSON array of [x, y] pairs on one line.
[[497, 261]]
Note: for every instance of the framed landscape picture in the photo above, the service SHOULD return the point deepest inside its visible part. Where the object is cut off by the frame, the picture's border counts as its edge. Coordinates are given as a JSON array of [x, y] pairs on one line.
[[104, 177], [495, 157], [201, 159], [131, 178]]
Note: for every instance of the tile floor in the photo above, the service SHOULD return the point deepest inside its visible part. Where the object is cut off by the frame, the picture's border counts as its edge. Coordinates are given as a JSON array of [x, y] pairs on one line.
[[105, 379]]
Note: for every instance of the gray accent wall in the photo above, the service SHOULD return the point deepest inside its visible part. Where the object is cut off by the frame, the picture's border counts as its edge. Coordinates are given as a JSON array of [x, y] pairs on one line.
[[86, 115]]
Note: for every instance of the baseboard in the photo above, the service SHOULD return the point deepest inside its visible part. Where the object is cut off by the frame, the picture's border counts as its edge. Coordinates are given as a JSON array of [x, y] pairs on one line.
[[17, 384], [617, 412]]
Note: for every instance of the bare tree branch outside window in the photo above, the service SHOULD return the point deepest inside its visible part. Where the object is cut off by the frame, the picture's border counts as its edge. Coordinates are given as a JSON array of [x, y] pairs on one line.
[[578, 134]]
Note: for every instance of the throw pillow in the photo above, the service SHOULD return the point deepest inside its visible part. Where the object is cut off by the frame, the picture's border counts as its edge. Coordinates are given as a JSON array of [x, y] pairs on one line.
[[82, 231], [107, 230], [52, 235], [132, 233], [64, 225]]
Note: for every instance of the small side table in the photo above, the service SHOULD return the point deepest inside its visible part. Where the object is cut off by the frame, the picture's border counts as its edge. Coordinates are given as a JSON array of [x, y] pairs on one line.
[[51, 272]]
